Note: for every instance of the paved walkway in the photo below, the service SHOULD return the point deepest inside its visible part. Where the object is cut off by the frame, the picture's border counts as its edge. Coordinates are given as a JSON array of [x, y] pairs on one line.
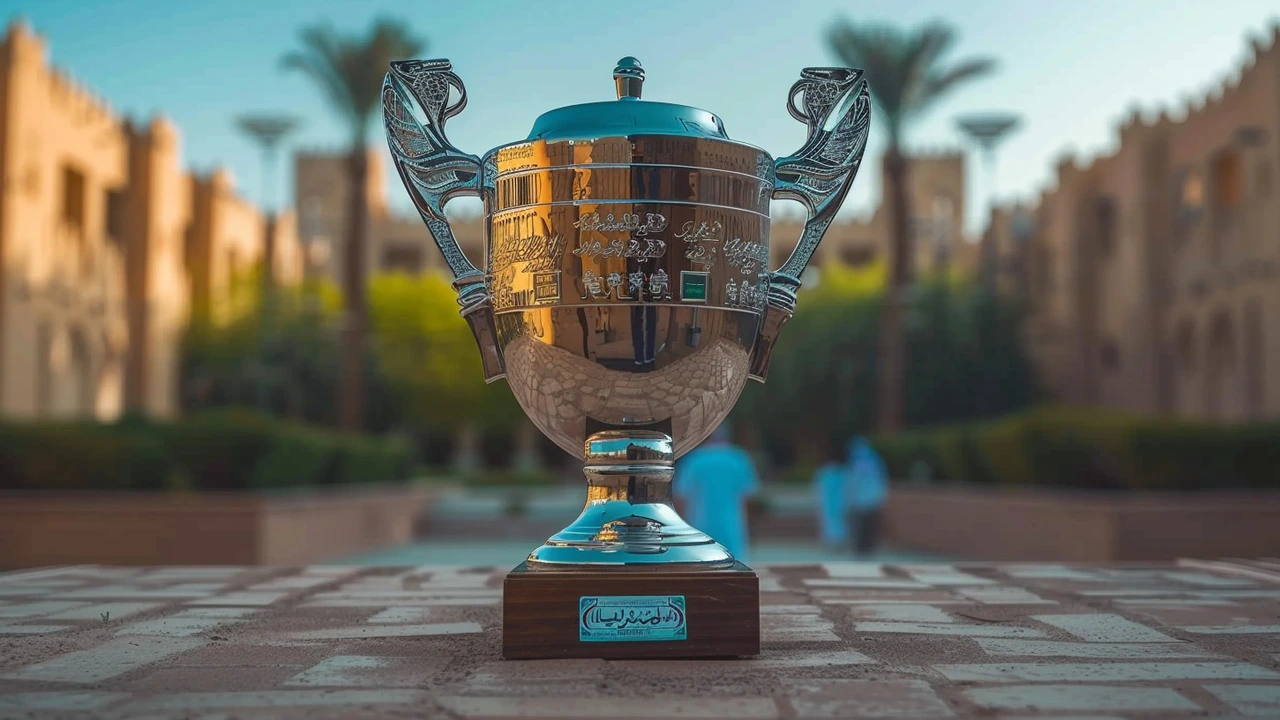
[[509, 553], [840, 640]]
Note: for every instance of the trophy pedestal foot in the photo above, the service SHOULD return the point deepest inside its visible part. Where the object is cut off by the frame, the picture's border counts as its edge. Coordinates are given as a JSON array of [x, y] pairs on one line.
[[630, 613]]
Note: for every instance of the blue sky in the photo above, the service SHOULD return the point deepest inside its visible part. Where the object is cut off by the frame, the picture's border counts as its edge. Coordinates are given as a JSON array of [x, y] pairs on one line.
[[1071, 69]]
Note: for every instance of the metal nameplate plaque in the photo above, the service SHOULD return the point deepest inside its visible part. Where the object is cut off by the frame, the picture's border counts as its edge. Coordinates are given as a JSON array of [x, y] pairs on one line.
[[632, 618]]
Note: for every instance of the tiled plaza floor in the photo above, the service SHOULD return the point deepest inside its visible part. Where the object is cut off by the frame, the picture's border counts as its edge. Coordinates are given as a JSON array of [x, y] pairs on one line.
[[511, 552], [1192, 639]]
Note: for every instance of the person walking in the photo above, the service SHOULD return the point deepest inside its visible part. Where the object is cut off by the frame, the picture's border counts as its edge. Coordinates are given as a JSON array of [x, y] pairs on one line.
[[831, 486], [867, 494], [713, 483]]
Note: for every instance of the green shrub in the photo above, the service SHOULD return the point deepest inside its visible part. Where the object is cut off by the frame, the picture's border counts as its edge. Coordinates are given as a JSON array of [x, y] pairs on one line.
[[50, 455], [1061, 447], [511, 478], [295, 456], [368, 460], [217, 450]]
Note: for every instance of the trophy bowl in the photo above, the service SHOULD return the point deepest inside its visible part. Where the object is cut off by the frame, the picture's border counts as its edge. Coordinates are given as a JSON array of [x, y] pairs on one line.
[[625, 293]]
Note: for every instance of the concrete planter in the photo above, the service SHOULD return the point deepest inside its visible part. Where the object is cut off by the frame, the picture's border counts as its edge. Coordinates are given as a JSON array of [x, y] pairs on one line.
[[231, 528], [998, 523]]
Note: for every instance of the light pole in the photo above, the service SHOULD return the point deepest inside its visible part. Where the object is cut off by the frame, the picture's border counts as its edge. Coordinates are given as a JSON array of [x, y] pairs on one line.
[[986, 130], [267, 131]]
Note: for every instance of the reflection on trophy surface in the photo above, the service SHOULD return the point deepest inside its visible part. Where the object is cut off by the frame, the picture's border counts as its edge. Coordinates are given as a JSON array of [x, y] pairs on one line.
[[626, 295]]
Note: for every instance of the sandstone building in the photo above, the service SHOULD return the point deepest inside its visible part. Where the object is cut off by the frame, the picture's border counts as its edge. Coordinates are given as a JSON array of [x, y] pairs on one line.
[[936, 186], [107, 246], [1152, 275], [397, 242]]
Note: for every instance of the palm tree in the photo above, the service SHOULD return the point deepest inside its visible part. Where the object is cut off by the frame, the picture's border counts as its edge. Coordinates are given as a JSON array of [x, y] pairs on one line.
[[907, 75], [349, 69]]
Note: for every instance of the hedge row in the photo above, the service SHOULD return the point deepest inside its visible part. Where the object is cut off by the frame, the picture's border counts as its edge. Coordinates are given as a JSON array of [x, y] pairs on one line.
[[222, 450], [1093, 449]]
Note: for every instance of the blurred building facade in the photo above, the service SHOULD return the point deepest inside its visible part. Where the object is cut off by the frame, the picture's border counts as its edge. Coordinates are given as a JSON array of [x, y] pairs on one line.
[[936, 188], [1152, 275], [396, 242], [103, 240]]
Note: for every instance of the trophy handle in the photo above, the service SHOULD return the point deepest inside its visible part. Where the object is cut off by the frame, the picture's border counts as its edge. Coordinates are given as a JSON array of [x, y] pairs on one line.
[[836, 105], [415, 105]]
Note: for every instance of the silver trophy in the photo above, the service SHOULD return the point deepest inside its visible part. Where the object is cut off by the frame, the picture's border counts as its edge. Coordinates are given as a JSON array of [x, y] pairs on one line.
[[625, 293]]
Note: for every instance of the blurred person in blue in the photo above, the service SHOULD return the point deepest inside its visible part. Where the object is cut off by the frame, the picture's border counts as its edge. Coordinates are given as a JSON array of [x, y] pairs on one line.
[[713, 485], [831, 488], [869, 486]]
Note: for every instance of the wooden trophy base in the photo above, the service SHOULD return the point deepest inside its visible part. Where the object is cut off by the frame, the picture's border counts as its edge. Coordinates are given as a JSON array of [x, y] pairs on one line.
[[631, 613]]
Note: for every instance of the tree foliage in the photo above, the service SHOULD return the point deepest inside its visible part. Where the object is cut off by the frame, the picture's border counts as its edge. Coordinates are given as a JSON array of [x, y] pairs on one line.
[[905, 68], [964, 362], [282, 358]]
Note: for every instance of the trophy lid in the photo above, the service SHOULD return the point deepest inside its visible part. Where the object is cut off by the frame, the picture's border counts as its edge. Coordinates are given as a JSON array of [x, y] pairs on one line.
[[628, 115]]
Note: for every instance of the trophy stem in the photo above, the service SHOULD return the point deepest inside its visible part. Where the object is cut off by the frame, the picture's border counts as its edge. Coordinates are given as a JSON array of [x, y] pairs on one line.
[[629, 518]]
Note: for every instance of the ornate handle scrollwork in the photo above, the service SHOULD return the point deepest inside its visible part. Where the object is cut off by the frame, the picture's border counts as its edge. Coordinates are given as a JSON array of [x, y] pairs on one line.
[[415, 105], [836, 105]]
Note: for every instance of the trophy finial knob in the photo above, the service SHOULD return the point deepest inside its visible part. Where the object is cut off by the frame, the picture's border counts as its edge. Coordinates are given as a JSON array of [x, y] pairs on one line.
[[629, 77]]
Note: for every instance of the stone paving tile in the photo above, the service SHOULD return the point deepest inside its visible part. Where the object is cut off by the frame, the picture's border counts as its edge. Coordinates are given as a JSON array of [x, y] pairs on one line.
[[843, 698], [186, 623], [1207, 580], [1049, 572], [1249, 700], [26, 591], [946, 575], [1091, 716], [1003, 595], [1107, 672], [873, 583], [1050, 698], [1004, 647], [797, 628], [246, 597], [886, 597], [404, 602], [1183, 615], [33, 629], [785, 659], [790, 610], [1233, 629], [366, 671], [387, 631], [336, 571], [113, 610], [854, 570], [1177, 602], [401, 614], [273, 699], [1102, 627], [128, 592], [300, 582], [108, 660], [900, 613], [58, 701], [954, 629], [39, 608], [769, 583], [199, 679], [525, 678], [740, 708], [198, 571]]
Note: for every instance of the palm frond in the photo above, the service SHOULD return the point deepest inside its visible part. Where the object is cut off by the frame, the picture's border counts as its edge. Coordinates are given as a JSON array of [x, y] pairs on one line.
[[966, 70], [904, 69], [349, 69]]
